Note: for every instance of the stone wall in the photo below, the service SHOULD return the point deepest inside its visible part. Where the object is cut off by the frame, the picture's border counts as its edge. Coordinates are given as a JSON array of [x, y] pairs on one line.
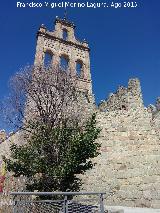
[[128, 168], [124, 98], [3, 136]]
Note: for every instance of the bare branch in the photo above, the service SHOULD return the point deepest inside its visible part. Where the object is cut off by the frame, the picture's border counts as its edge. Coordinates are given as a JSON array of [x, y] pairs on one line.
[[46, 94]]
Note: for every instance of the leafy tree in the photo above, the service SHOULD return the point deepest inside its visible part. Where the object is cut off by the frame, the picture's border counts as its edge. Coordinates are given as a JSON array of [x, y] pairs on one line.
[[59, 129], [52, 158]]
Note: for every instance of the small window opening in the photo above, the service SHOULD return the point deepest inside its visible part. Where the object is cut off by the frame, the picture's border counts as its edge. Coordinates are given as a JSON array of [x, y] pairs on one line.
[[64, 62], [124, 107], [79, 68], [48, 59], [65, 34]]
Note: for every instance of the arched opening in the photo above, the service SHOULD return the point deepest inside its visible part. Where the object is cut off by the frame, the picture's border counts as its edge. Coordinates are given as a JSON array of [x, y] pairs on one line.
[[79, 67], [65, 34], [48, 58], [64, 61]]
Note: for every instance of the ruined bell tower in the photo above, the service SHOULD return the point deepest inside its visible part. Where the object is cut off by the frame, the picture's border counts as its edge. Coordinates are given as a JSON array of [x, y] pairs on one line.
[[61, 48]]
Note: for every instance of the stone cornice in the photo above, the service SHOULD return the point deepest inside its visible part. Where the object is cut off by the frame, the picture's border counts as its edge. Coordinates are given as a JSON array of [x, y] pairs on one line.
[[47, 35]]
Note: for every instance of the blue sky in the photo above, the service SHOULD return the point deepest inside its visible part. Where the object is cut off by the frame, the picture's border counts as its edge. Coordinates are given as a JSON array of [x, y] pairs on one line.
[[124, 42]]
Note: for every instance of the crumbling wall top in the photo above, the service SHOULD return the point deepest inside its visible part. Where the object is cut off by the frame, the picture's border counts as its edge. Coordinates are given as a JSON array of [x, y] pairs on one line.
[[3, 136], [158, 104], [124, 98]]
